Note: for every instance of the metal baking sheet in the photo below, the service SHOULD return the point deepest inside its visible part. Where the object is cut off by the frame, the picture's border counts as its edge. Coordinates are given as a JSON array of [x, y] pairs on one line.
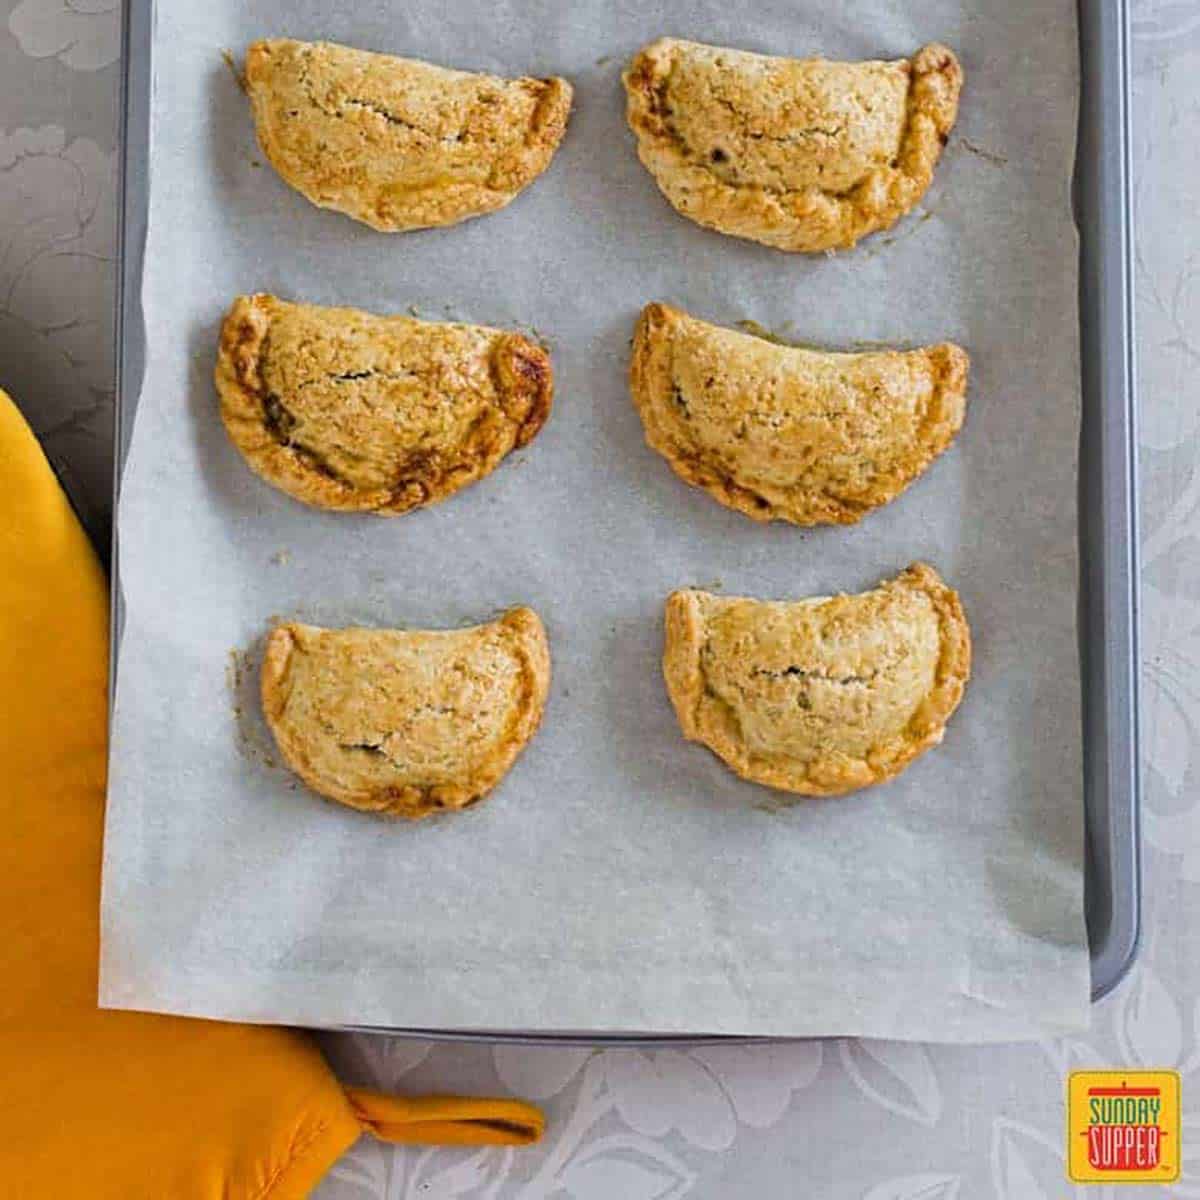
[[1108, 630], [1108, 531]]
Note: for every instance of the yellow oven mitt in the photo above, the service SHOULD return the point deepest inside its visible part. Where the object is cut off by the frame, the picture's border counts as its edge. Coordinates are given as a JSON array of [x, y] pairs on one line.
[[130, 1106]]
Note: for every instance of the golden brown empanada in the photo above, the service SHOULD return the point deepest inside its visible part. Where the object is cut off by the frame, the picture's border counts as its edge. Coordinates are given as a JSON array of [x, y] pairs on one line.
[[346, 410], [397, 143], [824, 695], [800, 154], [780, 432], [406, 723]]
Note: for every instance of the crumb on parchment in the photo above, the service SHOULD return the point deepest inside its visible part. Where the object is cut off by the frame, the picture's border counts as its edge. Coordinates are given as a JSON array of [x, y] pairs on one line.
[[236, 71], [241, 677], [997, 160], [233, 671]]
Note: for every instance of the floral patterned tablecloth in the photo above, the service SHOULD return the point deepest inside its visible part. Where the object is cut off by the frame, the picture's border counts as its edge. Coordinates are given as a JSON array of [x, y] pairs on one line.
[[842, 1120]]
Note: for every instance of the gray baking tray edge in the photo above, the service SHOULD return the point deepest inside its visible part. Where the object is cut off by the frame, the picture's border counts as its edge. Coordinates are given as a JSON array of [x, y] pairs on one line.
[[1108, 524]]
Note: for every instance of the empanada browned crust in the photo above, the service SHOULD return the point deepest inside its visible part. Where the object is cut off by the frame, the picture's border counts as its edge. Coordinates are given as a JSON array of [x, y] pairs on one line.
[[800, 154], [781, 432], [824, 695], [406, 723], [350, 411], [395, 142]]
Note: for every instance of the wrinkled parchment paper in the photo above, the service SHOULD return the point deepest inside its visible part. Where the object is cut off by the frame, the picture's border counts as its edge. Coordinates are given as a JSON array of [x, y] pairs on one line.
[[619, 879]]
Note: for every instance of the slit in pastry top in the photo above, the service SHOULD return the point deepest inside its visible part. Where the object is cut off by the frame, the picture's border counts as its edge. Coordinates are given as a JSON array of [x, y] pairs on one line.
[[799, 154], [346, 410], [405, 723], [395, 142], [824, 695], [780, 432]]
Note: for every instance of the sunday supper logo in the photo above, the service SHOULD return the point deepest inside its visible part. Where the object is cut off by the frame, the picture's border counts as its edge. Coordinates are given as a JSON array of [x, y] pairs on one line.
[[1123, 1127]]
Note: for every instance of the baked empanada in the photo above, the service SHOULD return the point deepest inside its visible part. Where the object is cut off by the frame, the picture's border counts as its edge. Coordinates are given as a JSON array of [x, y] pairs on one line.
[[406, 723], [346, 410], [780, 432], [395, 142], [819, 696], [800, 154]]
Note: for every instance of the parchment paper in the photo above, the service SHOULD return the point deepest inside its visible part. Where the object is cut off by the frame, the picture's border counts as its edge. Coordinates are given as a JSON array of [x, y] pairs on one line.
[[619, 879]]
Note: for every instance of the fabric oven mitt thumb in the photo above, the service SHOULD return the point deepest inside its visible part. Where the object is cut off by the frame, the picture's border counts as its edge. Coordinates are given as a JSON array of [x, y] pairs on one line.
[[112, 1104]]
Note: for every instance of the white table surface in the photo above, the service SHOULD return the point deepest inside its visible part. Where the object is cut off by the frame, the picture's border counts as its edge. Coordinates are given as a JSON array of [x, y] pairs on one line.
[[841, 1120]]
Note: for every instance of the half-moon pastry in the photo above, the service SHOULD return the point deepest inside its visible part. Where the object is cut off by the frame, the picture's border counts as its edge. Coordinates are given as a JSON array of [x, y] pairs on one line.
[[350, 411], [784, 433], [800, 154], [824, 695], [395, 142], [406, 723]]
